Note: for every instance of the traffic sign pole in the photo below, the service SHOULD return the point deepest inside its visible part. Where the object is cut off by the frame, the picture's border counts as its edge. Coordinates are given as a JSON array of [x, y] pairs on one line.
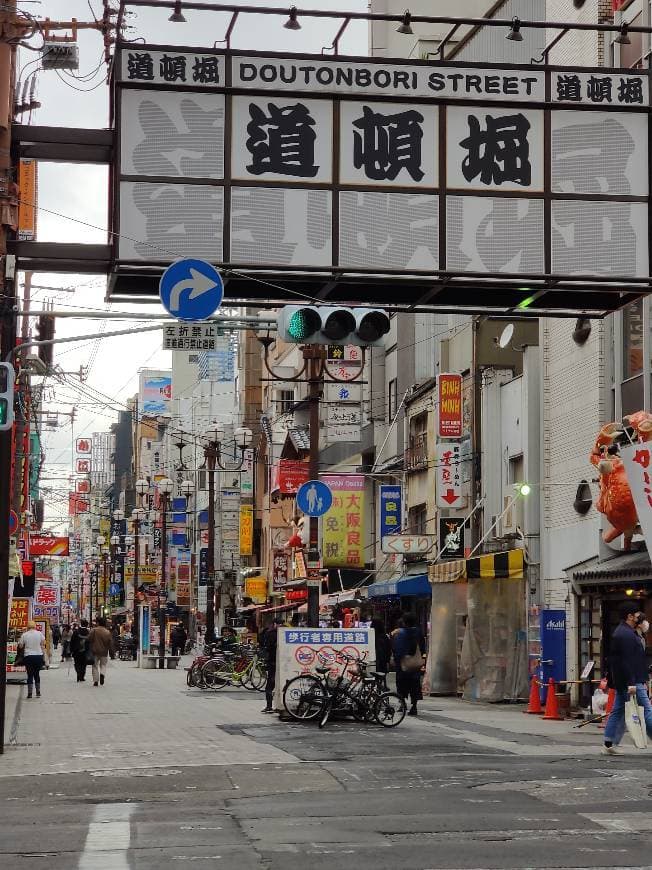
[[313, 356]]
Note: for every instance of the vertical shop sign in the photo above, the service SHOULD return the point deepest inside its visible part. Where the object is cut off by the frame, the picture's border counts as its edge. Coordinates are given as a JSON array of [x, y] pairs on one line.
[[637, 459], [391, 498], [449, 475], [246, 529], [450, 406], [343, 525], [280, 569]]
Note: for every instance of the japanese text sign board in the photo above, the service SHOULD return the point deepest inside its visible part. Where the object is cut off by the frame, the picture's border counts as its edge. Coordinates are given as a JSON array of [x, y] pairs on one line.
[[256, 589], [19, 614], [637, 459], [407, 545], [48, 545], [300, 651], [449, 475], [343, 527], [390, 504], [280, 569], [292, 474], [450, 406], [364, 139], [246, 529], [190, 336], [47, 594]]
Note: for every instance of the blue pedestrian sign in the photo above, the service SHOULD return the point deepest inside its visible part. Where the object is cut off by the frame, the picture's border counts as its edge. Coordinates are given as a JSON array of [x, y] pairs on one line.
[[191, 289], [314, 498]]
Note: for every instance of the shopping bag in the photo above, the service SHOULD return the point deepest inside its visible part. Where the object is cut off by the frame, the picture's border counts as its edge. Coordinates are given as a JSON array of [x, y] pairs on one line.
[[635, 722]]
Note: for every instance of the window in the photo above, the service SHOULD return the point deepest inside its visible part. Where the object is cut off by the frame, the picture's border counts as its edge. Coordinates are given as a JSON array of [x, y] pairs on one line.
[[284, 401], [417, 452], [418, 518], [514, 517], [633, 339], [392, 399]]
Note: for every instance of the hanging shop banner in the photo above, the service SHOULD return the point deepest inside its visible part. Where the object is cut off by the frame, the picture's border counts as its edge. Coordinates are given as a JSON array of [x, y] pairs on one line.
[[28, 204], [256, 589], [203, 566], [291, 475], [637, 459], [247, 474], [391, 499], [183, 593], [78, 504], [343, 526], [451, 538], [47, 594], [246, 529], [84, 445], [450, 406], [48, 545], [83, 466], [449, 475], [280, 569], [386, 167], [19, 614], [83, 486], [146, 573]]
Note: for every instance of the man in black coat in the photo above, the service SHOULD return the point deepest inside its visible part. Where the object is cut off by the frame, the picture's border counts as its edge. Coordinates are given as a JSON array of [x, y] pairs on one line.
[[628, 675], [268, 645]]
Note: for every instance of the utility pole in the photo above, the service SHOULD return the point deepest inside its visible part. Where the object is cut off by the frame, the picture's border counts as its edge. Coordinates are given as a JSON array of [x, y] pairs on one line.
[[211, 459], [313, 355]]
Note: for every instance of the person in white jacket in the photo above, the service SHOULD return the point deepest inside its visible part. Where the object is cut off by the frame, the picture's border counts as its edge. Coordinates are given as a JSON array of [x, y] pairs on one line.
[[32, 644]]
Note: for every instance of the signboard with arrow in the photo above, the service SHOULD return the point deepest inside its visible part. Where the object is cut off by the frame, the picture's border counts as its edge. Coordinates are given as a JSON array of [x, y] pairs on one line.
[[191, 289], [449, 475]]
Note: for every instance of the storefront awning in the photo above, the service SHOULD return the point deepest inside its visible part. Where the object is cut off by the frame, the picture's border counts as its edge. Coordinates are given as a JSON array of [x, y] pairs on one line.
[[627, 567], [497, 566], [447, 572], [415, 585]]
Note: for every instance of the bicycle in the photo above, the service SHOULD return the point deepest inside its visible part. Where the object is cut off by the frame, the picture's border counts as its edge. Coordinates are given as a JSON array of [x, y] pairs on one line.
[[366, 698], [241, 668]]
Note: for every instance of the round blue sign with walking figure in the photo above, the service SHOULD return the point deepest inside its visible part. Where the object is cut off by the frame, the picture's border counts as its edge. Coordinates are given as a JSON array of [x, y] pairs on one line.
[[191, 289], [314, 498]]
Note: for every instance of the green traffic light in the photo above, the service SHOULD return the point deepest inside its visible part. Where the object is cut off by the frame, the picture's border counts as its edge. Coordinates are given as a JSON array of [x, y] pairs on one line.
[[303, 323]]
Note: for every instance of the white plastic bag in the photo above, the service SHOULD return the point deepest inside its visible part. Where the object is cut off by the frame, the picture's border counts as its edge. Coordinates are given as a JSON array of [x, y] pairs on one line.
[[635, 722], [599, 702]]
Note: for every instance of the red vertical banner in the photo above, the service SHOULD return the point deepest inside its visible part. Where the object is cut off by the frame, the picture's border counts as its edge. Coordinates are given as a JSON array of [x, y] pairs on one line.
[[450, 406]]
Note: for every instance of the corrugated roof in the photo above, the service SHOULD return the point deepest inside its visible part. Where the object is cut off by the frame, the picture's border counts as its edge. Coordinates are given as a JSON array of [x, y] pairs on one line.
[[636, 564]]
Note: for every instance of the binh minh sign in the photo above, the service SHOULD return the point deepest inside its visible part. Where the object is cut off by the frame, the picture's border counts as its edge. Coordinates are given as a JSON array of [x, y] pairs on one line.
[[484, 179]]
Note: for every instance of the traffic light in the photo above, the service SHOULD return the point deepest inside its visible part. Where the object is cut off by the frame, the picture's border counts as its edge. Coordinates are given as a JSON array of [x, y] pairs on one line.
[[45, 332], [7, 378], [330, 324]]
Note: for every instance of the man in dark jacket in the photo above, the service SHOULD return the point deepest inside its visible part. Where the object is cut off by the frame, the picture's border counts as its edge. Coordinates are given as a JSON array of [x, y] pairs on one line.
[[405, 642], [628, 674], [178, 638], [268, 645], [80, 650]]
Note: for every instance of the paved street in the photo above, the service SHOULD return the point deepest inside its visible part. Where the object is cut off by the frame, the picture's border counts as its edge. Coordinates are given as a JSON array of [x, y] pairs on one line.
[[145, 773]]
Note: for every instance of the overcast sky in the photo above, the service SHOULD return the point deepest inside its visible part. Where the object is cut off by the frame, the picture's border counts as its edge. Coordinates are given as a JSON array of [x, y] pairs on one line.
[[80, 192]]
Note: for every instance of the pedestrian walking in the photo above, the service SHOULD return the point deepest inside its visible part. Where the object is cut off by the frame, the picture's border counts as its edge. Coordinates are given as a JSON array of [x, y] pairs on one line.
[[32, 644], [100, 641], [383, 646], [178, 638], [409, 647], [268, 646], [56, 635], [66, 636], [79, 649], [628, 675]]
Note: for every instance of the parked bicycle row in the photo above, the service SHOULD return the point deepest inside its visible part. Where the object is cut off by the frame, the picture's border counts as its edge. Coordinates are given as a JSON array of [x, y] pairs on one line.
[[217, 668]]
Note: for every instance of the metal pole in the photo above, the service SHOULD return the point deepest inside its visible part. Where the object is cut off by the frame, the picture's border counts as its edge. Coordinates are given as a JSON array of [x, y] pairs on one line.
[[211, 457], [313, 354], [105, 579], [97, 590], [161, 611], [134, 626], [7, 344]]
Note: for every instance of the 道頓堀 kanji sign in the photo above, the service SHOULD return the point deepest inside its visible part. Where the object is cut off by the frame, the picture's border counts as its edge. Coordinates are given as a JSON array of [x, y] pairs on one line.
[[386, 168]]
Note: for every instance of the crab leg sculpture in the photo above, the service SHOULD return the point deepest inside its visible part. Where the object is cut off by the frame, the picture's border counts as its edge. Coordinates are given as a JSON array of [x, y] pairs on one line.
[[615, 500]]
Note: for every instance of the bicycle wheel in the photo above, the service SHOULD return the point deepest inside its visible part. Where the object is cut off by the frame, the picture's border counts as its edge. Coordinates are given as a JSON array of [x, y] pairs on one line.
[[258, 677], [304, 697], [195, 677], [326, 712], [390, 710], [214, 674]]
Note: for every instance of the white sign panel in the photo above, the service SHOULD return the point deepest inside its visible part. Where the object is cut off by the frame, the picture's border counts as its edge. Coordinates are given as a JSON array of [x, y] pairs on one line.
[[301, 650], [318, 175], [247, 474], [335, 434], [449, 475], [637, 459], [407, 544], [343, 415], [190, 336], [350, 392]]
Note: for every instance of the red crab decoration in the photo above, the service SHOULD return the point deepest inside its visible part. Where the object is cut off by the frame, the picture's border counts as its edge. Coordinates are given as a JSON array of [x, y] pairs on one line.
[[615, 500]]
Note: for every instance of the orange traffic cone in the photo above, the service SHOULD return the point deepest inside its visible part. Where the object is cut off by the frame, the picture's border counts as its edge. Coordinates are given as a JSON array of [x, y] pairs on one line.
[[534, 704], [552, 710]]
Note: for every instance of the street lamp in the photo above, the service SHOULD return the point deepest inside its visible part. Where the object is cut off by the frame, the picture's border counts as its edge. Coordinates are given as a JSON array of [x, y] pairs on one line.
[[93, 573], [115, 543], [165, 489], [138, 516], [212, 453], [105, 575]]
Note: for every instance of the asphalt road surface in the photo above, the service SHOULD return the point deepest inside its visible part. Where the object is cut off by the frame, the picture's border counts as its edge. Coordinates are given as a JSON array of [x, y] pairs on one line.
[[144, 773]]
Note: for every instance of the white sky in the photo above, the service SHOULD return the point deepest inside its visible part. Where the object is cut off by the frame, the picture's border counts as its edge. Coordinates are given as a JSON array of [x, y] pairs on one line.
[[81, 192]]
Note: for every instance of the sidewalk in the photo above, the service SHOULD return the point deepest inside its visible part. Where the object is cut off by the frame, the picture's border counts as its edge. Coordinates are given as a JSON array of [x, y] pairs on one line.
[[139, 718]]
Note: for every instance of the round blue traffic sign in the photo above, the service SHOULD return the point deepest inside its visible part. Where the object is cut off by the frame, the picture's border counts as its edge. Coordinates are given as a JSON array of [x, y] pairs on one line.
[[191, 289], [13, 522], [314, 498]]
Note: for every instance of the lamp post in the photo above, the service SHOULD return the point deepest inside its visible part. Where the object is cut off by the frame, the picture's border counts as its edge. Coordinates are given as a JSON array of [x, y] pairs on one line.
[[164, 489], [101, 542], [212, 454], [106, 552], [187, 488], [115, 543], [137, 516], [92, 574]]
